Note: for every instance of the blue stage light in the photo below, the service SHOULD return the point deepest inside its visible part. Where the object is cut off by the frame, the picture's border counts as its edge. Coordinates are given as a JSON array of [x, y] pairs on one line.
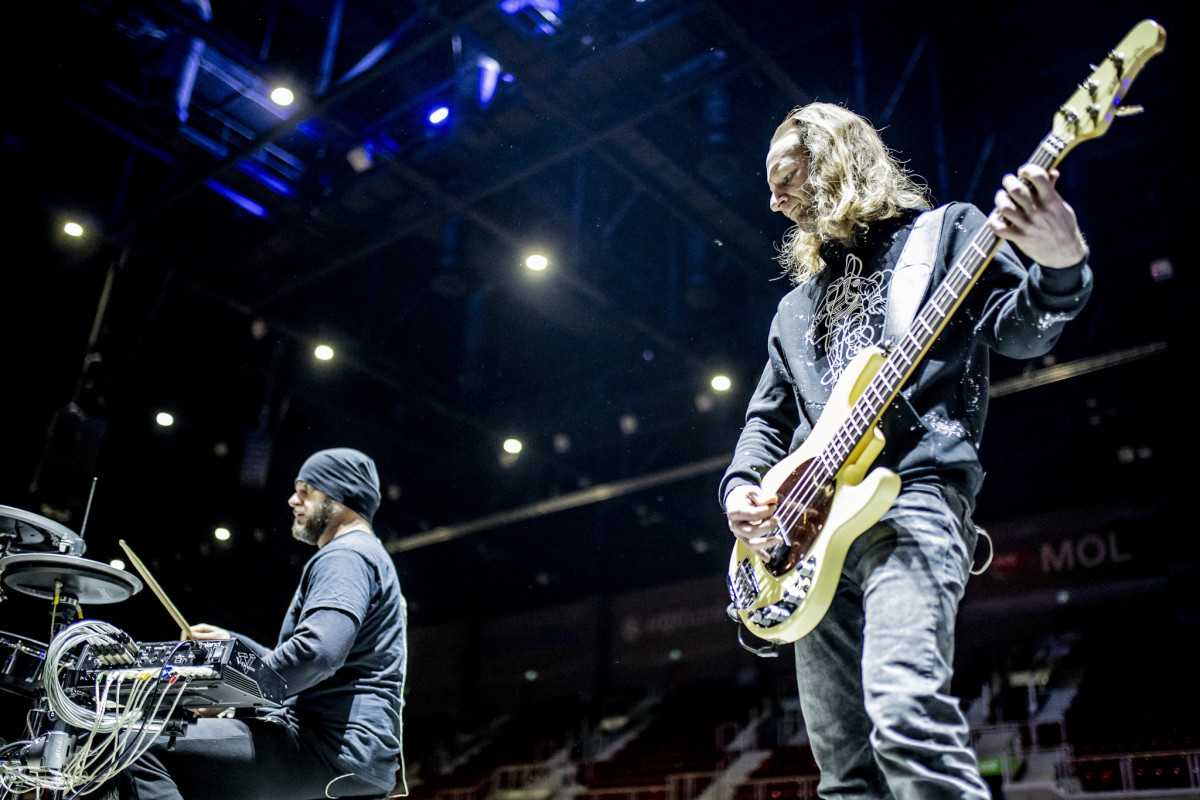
[[236, 197]]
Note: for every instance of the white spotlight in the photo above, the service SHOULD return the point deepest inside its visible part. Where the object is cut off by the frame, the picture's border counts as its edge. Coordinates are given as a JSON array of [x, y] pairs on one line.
[[282, 96], [323, 352], [537, 262], [512, 446], [73, 229], [721, 383], [164, 419], [222, 534]]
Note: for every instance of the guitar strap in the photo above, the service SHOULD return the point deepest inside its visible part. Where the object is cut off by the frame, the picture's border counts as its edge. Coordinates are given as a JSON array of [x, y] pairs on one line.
[[910, 276], [910, 282]]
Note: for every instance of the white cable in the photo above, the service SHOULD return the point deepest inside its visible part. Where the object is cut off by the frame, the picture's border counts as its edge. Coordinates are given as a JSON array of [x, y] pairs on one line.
[[108, 741]]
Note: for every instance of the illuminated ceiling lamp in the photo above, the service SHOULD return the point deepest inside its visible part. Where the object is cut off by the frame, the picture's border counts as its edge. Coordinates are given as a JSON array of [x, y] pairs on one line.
[[534, 17]]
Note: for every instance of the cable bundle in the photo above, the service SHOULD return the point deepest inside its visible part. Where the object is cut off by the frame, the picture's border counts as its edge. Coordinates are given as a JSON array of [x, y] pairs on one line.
[[110, 736]]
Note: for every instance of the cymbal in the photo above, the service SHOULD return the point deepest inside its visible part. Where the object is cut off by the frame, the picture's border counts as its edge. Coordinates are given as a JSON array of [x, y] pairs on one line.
[[86, 581], [25, 531]]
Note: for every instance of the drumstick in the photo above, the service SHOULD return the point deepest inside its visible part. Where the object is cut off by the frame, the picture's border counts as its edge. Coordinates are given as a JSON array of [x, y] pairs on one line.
[[158, 591]]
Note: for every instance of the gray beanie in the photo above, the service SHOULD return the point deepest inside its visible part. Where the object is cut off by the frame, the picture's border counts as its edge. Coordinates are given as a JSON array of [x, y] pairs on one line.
[[347, 476]]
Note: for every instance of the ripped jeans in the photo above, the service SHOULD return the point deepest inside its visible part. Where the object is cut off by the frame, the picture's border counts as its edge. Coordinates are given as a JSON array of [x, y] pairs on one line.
[[874, 675]]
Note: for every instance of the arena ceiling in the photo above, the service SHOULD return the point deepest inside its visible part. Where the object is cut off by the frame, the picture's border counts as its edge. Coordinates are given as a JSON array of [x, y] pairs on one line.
[[622, 139]]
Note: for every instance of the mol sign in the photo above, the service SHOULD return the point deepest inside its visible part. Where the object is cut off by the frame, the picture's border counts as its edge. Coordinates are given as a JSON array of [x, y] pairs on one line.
[[1084, 552]]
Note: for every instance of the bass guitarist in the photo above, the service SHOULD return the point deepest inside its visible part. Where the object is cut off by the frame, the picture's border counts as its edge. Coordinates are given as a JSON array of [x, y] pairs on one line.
[[874, 674]]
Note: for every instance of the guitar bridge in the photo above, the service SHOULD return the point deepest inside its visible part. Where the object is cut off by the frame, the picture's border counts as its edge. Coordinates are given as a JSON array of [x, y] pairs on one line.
[[743, 587]]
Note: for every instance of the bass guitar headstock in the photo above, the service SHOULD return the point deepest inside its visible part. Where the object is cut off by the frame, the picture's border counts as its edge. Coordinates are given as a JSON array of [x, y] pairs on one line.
[[1088, 112]]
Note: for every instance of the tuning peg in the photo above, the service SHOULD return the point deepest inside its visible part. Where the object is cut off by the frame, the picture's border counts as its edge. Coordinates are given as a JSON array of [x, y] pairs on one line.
[[1069, 114], [1128, 111], [1118, 60]]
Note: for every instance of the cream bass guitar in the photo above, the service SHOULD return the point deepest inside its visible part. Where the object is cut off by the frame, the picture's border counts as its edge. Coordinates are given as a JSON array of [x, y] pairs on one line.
[[828, 492]]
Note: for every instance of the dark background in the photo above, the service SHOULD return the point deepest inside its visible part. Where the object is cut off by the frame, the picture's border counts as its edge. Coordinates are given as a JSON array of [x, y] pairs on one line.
[[629, 148]]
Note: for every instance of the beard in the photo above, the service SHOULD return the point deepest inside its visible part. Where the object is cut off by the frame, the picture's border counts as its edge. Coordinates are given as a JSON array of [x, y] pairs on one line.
[[310, 532]]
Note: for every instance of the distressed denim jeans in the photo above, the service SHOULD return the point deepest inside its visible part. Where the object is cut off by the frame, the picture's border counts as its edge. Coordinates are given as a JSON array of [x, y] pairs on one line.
[[874, 675]]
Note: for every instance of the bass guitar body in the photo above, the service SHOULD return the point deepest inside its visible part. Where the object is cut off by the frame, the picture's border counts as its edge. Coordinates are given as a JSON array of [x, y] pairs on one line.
[[820, 514]]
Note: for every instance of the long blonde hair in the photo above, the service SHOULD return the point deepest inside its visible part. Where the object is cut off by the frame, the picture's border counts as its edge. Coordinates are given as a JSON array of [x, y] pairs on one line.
[[853, 180]]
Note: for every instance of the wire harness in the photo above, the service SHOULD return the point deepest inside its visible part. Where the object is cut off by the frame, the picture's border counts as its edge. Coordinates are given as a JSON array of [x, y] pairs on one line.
[[92, 743]]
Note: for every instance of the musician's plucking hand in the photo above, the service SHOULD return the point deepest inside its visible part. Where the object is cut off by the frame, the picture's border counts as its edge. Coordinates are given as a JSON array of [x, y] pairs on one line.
[[750, 511]]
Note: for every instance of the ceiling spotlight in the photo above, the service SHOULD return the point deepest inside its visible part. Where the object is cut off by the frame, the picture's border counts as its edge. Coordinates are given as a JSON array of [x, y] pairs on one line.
[[537, 262], [117, 563], [323, 352], [512, 446], [222, 534], [439, 115], [282, 96], [164, 419], [721, 383], [73, 229], [361, 158]]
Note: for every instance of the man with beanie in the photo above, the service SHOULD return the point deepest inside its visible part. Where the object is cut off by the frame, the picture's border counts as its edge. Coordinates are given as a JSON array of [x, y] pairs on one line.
[[342, 652]]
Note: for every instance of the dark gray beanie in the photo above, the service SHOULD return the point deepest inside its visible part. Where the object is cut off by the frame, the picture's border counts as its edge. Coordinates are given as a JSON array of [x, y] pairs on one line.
[[347, 476]]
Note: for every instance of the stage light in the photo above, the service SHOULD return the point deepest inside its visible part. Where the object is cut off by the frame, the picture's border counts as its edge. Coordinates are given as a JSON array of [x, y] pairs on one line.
[[512, 446], [117, 563], [164, 419], [236, 198], [439, 115], [489, 75], [323, 352], [721, 383], [282, 96], [537, 262], [531, 675], [222, 534], [73, 229], [361, 158], [534, 16]]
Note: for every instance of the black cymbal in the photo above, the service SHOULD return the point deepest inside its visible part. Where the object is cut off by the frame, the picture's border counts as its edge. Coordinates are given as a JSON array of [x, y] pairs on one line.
[[83, 580], [23, 532]]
